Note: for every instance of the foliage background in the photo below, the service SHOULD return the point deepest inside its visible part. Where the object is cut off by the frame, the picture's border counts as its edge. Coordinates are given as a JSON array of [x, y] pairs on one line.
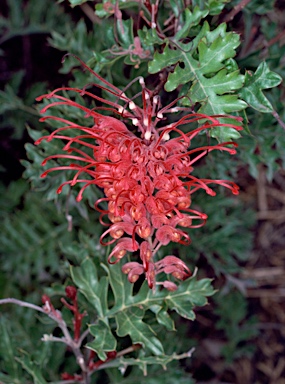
[[241, 246]]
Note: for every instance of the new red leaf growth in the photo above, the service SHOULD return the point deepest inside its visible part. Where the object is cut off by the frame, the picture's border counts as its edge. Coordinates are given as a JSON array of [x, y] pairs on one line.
[[71, 293]]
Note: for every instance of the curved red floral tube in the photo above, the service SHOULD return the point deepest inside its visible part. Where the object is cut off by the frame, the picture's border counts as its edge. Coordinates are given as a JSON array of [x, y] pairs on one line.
[[144, 171]]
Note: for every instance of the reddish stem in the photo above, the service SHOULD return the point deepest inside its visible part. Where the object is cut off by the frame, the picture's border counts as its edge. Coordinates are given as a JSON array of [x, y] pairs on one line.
[[71, 293]]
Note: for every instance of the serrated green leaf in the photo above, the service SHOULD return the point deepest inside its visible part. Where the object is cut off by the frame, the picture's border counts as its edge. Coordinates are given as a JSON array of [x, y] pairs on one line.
[[104, 340], [125, 32], [85, 277], [130, 322], [100, 11], [176, 6], [191, 19], [189, 294], [163, 317], [129, 309], [130, 319], [252, 93], [216, 6], [32, 368], [149, 36], [122, 291], [212, 81]]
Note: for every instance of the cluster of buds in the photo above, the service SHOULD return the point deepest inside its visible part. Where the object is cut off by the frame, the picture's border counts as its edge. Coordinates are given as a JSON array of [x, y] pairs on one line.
[[144, 167]]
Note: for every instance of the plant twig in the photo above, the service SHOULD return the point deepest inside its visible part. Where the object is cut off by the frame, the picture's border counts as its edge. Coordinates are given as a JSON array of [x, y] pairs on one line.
[[278, 118], [236, 9], [89, 12], [22, 304], [82, 337], [68, 340], [276, 38]]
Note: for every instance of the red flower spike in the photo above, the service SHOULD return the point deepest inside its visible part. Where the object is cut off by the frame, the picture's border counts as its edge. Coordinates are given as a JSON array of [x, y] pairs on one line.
[[49, 308], [68, 376], [145, 173], [71, 292], [112, 354]]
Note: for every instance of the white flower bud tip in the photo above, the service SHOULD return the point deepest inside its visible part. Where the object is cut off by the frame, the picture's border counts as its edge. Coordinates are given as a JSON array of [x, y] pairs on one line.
[[147, 135], [166, 136]]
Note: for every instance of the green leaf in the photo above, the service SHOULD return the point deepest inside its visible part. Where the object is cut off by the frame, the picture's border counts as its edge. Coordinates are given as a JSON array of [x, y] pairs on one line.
[[32, 368], [86, 278], [129, 318], [252, 93], [74, 3], [104, 339], [129, 309], [142, 362], [205, 68], [216, 6], [122, 291], [6, 379], [163, 317], [130, 322], [260, 7], [30, 249], [149, 36], [191, 19], [125, 32], [189, 294]]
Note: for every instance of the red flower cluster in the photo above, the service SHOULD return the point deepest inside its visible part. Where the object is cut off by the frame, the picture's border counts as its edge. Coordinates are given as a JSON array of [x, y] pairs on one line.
[[146, 176]]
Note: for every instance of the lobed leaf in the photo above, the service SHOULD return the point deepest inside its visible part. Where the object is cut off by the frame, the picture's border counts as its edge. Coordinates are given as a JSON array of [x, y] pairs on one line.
[[254, 84], [130, 322], [143, 362], [32, 368], [129, 309], [86, 278], [104, 340], [212, 82], [191, 19], [189, 294]]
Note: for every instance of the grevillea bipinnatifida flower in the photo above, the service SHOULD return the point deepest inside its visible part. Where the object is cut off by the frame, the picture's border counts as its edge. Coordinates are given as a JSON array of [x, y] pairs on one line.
[[144, 165]]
